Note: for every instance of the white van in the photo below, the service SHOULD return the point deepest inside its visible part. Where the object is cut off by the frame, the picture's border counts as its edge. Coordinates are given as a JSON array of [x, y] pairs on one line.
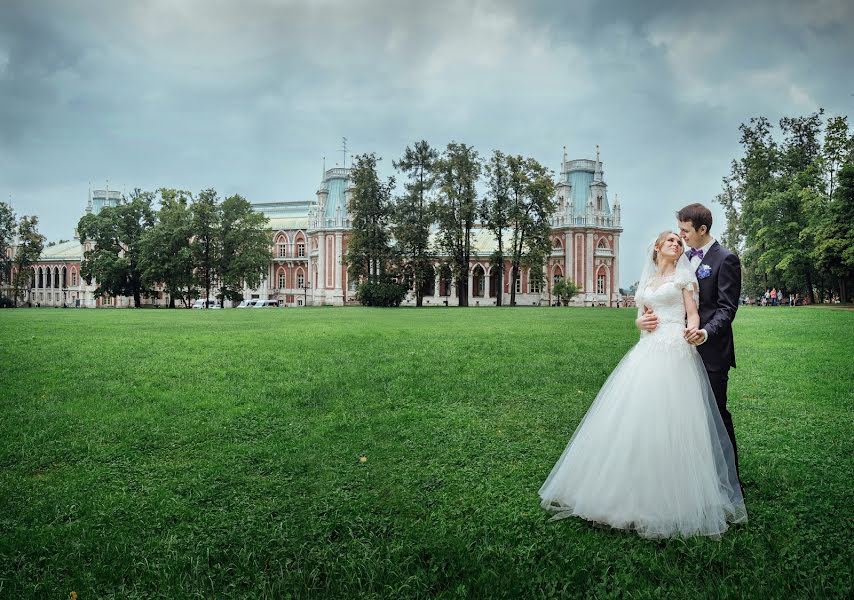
[[200, 303], [248, 303], [266, 304]]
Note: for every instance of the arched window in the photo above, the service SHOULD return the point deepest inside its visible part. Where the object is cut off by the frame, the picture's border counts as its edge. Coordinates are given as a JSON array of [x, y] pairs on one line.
[[73, 278], [599, 202], [281, 246], [300, 279], [557, 275], [56, 283], [600, 283], [519, 284], [602, 245], [557, 244], [478, 281], [282, 280], [300, 248]]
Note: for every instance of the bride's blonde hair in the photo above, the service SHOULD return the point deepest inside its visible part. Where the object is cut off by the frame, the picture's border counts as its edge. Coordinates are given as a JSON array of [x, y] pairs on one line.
[[658, 241]]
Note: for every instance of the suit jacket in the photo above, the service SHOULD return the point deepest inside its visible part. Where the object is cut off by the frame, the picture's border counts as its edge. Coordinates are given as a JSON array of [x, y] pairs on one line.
[[719, 294]]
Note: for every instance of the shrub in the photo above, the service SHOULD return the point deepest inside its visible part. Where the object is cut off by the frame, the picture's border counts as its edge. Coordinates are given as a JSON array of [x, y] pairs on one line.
[[6, 302], [381, 294]]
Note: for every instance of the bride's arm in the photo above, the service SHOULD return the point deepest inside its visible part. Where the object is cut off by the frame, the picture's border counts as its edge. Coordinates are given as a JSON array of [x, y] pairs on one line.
[[691, 309]]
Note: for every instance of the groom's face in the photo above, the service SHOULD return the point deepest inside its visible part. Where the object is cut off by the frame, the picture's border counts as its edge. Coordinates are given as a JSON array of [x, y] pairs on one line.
[[690, 235]]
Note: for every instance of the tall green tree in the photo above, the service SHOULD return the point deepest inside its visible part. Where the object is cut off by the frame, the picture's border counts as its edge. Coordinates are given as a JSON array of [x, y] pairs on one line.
[[834, 234], [458, 171], [245, 248], [495, 210], [779, 200], [838, 146], [166, 253], [116, 233], [27, 252], [532, 203], [7, 236], [206, 248], [413, 215], [369, 251]]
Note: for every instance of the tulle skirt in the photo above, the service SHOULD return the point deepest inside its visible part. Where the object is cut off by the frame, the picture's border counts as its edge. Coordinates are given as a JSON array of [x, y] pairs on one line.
[[652, 453]]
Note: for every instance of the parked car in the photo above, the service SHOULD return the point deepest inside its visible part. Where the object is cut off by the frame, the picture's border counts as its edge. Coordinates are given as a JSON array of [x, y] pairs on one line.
[[266, 304], [247, 303], [200, 303]]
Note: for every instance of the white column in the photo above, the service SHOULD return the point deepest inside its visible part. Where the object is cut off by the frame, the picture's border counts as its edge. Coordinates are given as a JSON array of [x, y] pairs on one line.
[[589, 288], [339, 282], [486, 286], [320, 290], [567, 250], [615, 285]]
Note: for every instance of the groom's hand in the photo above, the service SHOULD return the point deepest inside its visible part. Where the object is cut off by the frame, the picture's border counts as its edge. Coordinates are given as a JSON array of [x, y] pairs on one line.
[[647, 321], [695, 336]]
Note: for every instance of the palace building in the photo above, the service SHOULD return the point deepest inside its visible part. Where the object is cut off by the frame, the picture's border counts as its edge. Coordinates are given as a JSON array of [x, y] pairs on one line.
[[309, 239]]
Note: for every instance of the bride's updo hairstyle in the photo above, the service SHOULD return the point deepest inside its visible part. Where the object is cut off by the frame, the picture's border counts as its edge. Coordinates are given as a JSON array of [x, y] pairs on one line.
[[658, 242]]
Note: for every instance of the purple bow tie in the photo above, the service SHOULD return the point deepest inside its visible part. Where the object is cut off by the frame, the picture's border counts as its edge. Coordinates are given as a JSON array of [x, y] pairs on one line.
[[695, 252]]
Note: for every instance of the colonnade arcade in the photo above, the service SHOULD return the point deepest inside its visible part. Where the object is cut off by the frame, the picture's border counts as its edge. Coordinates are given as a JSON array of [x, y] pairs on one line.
[[53, 284]]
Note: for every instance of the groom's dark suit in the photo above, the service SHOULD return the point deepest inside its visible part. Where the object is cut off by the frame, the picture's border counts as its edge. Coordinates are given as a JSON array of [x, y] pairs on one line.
[[719, 294]]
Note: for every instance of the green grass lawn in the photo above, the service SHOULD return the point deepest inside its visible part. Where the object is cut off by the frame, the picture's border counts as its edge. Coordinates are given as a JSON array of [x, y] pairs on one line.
[[215, 454]]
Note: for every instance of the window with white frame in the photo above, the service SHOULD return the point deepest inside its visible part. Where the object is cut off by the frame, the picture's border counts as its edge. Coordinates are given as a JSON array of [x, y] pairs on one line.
[[300, 280], [282, 250], [534, 285], [283, 282], [73, 278], [519, 285], [301, 249], [600, 284]]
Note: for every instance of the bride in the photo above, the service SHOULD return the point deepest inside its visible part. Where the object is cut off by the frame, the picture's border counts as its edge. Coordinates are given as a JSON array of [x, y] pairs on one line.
[[652, 453]]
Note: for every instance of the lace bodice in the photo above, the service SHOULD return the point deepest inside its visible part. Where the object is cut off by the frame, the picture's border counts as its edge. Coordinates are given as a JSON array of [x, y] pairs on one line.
[[664, 296]]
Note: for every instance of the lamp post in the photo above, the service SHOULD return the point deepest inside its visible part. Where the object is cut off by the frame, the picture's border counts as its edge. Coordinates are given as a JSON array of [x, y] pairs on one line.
[[305, 295]]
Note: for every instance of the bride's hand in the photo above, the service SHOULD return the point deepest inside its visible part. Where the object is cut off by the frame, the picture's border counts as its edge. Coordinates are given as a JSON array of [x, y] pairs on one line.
[[647, 321]]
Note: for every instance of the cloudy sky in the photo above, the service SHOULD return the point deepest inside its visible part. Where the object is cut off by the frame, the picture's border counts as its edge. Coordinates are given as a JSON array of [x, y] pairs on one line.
[[248, 96]]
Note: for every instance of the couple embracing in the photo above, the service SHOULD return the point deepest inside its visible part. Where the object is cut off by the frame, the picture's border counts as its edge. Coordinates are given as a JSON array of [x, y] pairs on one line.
[[656, 452]]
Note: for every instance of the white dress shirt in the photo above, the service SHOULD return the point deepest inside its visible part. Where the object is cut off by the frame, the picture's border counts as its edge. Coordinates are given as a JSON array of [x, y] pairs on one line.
[[696, 261]]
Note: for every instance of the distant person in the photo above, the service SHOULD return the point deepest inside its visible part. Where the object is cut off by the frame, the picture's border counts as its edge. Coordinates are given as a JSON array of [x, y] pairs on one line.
[[773, 296], [767, 298]]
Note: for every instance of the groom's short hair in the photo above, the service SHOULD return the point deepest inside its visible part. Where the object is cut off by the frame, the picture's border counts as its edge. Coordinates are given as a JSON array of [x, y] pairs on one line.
[[697, 214]]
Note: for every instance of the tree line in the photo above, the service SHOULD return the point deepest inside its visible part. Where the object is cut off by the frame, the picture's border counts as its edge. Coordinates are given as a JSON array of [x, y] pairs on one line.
[[29, 243], [189, 245], [789, 204], [390, 248]]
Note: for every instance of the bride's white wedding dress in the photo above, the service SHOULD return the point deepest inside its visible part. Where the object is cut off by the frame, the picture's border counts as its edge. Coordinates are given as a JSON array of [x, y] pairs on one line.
[[652, 453]]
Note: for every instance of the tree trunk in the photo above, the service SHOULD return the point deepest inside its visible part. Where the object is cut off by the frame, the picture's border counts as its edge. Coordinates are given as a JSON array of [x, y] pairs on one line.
[[810, 290], [137, 302], [514, 275], [171, 300]]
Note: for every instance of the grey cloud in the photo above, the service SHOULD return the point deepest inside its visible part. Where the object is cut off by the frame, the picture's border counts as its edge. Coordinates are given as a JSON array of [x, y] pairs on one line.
[[247, 97]]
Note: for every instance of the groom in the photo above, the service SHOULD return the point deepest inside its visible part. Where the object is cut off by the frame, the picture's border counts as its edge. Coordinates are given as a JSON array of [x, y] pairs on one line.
[[719, 276]]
